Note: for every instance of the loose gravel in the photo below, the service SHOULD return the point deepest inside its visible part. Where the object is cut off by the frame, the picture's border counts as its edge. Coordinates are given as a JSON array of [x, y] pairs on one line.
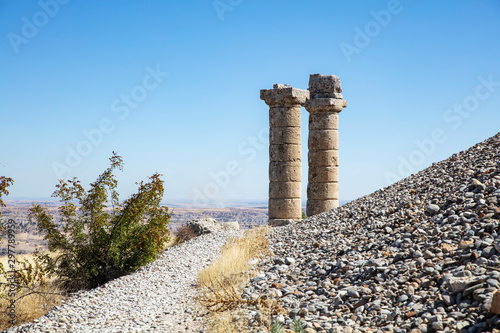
[[157, 298], [422, 255]]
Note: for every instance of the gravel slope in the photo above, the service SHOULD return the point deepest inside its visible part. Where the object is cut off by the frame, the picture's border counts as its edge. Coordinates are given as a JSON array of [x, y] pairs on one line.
[[422, 255], [157, 298]]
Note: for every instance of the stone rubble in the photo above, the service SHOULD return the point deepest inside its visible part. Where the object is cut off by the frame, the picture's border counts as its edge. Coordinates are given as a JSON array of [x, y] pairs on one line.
[[159, 297], [422, 255], [209, 225]]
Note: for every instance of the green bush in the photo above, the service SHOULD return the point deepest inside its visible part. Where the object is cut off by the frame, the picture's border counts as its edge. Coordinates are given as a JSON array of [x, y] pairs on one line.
[[100, 238], [4, 183]]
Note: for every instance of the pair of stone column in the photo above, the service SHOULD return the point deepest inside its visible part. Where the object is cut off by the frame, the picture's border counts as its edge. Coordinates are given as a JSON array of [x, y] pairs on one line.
[[323, 101]]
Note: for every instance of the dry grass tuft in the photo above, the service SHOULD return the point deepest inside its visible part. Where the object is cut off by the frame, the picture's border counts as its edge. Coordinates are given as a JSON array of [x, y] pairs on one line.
[[232, 266], [222, 323], [220, 282], [32, 301], [220, 295], [30, 305], [183, 234]]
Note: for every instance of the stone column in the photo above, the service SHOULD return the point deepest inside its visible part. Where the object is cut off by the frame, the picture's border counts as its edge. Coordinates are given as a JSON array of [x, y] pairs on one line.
[[324, 106], [285, 153]]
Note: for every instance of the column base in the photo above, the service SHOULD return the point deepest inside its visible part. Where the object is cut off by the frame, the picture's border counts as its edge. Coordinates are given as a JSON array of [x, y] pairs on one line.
[[315, 207], [280, 222], [284, 209]]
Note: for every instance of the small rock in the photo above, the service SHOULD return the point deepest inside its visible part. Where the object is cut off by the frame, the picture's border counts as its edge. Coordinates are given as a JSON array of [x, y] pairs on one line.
[[495, 303], [446, 248], [436, 326], [488, 252], [432, 209], [463, 244], [402, 298], [279, 261], [458, 284], [417, 254], [428, 254], [303, 312]]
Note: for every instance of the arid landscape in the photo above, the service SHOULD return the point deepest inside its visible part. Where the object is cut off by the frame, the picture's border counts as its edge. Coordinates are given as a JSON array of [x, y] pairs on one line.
[[247, 214], [247, 217], [28, 238]]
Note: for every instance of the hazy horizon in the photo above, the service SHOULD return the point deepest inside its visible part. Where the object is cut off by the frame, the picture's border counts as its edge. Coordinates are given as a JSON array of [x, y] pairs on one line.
[[179, 202]]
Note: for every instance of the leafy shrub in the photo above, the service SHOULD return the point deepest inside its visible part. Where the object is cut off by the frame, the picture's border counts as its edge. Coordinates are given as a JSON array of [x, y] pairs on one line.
[[31, 275], [97, 243], [4, 183]]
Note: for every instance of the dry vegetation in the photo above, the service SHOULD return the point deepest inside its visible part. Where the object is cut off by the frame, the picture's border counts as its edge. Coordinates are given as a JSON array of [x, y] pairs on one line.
[[181, 235], [32, 301], [221, 282]]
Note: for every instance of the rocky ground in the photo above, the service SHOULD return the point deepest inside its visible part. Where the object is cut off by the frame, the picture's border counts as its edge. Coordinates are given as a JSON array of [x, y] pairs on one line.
[[422, 255], [160, 297]]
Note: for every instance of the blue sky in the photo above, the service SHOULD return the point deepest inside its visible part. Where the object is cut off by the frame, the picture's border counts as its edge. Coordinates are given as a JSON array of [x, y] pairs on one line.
[[173, 87]]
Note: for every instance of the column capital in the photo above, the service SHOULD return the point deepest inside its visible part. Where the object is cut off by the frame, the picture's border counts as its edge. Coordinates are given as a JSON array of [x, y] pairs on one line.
[[284, 95], [325, 86], [325, 94]]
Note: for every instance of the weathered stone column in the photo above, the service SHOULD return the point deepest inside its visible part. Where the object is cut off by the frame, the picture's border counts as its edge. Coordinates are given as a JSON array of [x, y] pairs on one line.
[[324, 106], [285, 153]]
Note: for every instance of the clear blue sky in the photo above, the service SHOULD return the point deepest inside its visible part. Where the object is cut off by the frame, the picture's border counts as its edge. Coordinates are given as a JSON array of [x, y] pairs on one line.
[[173, 87]]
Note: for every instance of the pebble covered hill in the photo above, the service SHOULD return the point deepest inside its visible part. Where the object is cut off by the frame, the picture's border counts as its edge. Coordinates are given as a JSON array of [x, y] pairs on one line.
[[422, 255]]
